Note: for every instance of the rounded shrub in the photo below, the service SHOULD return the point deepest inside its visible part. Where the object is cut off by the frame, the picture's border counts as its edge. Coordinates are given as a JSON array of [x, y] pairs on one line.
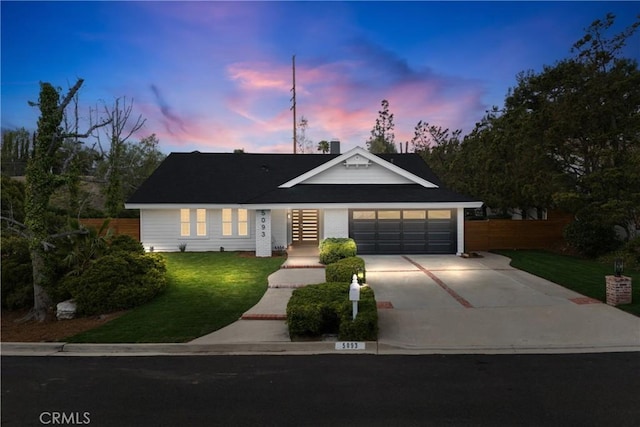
[[333, 249], [116, 282], [343, 269]]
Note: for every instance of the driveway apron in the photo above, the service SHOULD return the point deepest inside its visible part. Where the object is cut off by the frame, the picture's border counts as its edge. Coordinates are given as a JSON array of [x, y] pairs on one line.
[[447, 302]]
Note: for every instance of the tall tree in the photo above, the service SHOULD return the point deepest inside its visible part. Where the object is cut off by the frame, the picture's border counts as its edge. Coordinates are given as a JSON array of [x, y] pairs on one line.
[[382, 139], [585, 113], [440, 148], [138, 161], [41, 182], [121, 128]]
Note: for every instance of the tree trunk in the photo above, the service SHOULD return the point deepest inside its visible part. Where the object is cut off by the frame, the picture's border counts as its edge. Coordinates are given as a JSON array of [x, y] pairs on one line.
[[41, 300]]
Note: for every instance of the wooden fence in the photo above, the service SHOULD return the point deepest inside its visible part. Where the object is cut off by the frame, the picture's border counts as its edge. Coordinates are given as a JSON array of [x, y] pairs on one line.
[[514, 234], [127, 226]]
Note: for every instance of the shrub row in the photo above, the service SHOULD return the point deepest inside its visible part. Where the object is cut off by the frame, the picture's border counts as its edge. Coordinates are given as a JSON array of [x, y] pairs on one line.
[[333, 249], [325, 309], [344, 269]]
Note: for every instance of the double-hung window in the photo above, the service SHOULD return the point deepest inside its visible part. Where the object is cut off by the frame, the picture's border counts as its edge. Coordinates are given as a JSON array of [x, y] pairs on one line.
[[235, 222], [193, 216]]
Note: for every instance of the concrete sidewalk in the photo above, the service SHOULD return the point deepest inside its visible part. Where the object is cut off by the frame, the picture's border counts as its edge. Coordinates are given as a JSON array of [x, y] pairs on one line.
[[434, 304]]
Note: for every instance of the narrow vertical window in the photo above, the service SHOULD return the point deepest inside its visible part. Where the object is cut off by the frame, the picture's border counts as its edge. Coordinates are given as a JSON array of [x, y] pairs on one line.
[[185, 222], [201, 222], [227, 222], [243, 222]]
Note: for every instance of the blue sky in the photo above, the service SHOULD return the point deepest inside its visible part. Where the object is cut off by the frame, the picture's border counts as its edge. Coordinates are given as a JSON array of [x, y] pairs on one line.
[[216, 76]]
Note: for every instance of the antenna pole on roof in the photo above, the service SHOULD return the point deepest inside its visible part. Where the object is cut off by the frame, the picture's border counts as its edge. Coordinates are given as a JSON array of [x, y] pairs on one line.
[[293, 106]]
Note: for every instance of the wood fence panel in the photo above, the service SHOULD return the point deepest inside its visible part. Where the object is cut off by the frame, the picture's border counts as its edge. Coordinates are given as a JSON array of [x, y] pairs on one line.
[[513, 234], [126, 226]]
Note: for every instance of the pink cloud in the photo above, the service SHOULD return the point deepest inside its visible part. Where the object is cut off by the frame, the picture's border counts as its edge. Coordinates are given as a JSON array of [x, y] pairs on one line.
[[260, 76]]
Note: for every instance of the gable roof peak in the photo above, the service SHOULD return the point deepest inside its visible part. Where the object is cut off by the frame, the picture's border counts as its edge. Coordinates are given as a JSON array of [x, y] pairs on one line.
[[357, 157]]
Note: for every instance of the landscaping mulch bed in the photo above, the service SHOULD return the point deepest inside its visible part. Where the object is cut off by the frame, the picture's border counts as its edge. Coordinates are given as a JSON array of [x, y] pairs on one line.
[[50, 330]]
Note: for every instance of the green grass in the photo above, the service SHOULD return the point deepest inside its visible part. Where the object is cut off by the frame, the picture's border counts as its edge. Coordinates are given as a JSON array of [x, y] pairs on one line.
[[584, 276], [207, 291]]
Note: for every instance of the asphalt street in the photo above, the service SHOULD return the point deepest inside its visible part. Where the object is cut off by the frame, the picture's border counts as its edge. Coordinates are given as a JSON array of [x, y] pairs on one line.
[[327, 390]]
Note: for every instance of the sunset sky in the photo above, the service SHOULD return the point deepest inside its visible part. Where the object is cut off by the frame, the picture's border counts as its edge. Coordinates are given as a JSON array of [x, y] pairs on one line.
[[216, 76]]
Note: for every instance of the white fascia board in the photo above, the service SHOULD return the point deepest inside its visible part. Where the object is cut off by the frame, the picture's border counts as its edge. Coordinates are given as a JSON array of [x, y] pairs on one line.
[[366, 154], [408, 205], [179, 206]]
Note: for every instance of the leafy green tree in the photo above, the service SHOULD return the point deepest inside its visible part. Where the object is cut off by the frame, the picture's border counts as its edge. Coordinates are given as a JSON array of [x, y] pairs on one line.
[[440, 149], [382, 136], [585, 112], [323, 146], [135, 163], [567, 136], [17, 146]]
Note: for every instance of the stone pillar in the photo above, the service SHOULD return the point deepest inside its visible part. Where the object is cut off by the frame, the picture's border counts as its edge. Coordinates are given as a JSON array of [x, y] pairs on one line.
[[618, 290], [263, 233]]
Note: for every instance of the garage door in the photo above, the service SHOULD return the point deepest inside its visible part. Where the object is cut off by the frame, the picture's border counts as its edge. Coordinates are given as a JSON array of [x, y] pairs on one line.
[[415, 231]]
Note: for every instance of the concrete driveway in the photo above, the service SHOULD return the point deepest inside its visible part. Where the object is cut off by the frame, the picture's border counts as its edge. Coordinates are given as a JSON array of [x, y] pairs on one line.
[[482, 304]]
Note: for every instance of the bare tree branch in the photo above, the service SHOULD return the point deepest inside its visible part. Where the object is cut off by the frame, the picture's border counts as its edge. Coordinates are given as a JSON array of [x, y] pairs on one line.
[[67, 99]]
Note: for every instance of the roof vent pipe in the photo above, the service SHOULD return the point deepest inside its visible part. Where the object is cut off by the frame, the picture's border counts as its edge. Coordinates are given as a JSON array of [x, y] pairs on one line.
[[334, 146]]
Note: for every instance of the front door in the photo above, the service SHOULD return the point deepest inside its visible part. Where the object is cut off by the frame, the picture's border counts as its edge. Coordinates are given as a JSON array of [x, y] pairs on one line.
[[304, 226]]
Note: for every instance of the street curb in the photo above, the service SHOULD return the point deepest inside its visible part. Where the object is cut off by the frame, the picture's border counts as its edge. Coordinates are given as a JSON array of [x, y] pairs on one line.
[[280, 348], [31, 348], [157, 349]]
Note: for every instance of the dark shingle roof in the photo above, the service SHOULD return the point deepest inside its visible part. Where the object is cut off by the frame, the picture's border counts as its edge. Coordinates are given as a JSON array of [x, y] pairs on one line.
[[229, 178]]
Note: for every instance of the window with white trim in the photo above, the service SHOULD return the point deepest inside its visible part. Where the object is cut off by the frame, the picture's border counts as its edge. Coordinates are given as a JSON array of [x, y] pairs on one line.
[[235, 222], [185, 222], [201, 222], [196, 216]]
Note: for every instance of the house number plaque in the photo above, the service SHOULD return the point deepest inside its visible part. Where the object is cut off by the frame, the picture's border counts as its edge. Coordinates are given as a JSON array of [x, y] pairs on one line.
[[263, 233]]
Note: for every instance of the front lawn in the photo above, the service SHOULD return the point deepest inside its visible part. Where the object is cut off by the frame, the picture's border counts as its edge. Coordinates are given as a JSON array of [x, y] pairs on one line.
[[581, 275], [207, 291]]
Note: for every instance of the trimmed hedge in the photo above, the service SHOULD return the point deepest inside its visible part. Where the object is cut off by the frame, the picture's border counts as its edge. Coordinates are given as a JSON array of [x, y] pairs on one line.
[[325, 309], [343, 270], [333, 249]]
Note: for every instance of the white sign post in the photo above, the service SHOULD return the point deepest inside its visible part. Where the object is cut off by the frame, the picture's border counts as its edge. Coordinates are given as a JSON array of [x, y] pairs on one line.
[[354, 295]]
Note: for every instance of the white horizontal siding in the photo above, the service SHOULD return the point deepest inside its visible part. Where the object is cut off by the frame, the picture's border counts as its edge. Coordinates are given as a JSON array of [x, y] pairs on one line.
[[373, 174], [160, 230]]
